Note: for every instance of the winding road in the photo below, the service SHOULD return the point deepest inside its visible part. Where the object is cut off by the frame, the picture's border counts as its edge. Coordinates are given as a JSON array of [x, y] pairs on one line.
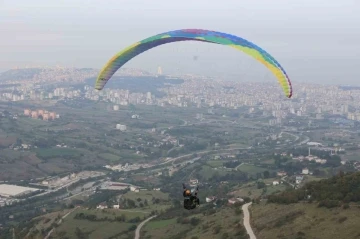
[[247, 225], [137, 232]]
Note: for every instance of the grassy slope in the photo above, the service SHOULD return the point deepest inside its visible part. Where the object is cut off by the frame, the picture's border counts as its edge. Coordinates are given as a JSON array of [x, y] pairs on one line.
[[225, 218], [304, 221], [104, 229]]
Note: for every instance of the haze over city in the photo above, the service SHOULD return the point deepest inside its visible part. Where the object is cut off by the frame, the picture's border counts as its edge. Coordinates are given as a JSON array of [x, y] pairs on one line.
[[315, 41], [188, 140]]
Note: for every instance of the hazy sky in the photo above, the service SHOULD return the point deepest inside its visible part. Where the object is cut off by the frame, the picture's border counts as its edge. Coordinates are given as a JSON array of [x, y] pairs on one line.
[[314, 40]]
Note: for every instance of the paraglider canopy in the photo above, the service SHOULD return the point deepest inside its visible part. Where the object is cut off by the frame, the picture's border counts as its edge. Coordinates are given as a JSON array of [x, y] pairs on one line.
[[236, 42]]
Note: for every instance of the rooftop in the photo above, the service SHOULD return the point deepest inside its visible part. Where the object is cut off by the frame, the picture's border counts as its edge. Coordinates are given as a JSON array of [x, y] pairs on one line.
[[7, 190]]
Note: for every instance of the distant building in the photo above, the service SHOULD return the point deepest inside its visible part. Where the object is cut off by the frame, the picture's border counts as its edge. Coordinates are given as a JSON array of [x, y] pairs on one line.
[[134, 189], [275, 183], [27, 112], [102, 206], [116, 186], [305, 171], [314, 144], [299, 179], [193, 182], [281, 173], [199, 116], [40, 112], [159, 71], [116, 107], [34, 115], [210, 199], [8, 190], [52, 115], [46, 116], [235, 200], [121, 127], [43, 113]]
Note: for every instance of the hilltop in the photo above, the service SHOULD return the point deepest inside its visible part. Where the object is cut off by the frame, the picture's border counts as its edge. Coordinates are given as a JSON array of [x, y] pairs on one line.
[[328, 208], [19, 74]]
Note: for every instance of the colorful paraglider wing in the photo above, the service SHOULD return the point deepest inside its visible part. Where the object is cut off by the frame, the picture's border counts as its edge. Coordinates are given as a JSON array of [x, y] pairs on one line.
[[238, 43]]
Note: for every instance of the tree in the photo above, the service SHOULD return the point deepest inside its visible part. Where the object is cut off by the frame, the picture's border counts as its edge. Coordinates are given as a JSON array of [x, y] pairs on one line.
[[266, 174], [261, 185], [131, 203], [80, 234], [132, 228]]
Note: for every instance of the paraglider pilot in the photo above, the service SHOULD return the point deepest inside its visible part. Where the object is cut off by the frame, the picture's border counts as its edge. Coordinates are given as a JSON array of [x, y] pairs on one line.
[[190, 199]]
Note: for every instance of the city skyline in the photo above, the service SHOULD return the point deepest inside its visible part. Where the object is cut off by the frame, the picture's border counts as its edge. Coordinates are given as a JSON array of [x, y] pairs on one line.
[[314, 41]]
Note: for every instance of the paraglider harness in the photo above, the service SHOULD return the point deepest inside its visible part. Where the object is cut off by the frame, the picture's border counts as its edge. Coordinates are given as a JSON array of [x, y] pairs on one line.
[[191, 201]]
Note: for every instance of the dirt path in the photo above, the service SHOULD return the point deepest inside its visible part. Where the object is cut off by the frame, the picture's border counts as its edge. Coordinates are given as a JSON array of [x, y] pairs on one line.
[[137, 232], [247, 225], [59, 222]]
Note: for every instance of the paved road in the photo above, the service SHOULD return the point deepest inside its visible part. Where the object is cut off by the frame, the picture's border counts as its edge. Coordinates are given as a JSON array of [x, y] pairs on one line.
[[137, 232], [247, 225], [304, 141]]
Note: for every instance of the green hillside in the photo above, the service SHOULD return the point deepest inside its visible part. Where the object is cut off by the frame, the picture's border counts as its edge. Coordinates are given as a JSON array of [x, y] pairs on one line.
[[336, 191], [328, 208], [202, 223], [304, 221]]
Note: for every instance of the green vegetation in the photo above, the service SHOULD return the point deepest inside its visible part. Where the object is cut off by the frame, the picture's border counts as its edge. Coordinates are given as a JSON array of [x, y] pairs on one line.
[[109, 157], [152, 225], [109, 215], [304, 221], [202, 223], [72, 228], [336, 191], [251, 169], [215, 163], [146, 201], [58, 152]]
